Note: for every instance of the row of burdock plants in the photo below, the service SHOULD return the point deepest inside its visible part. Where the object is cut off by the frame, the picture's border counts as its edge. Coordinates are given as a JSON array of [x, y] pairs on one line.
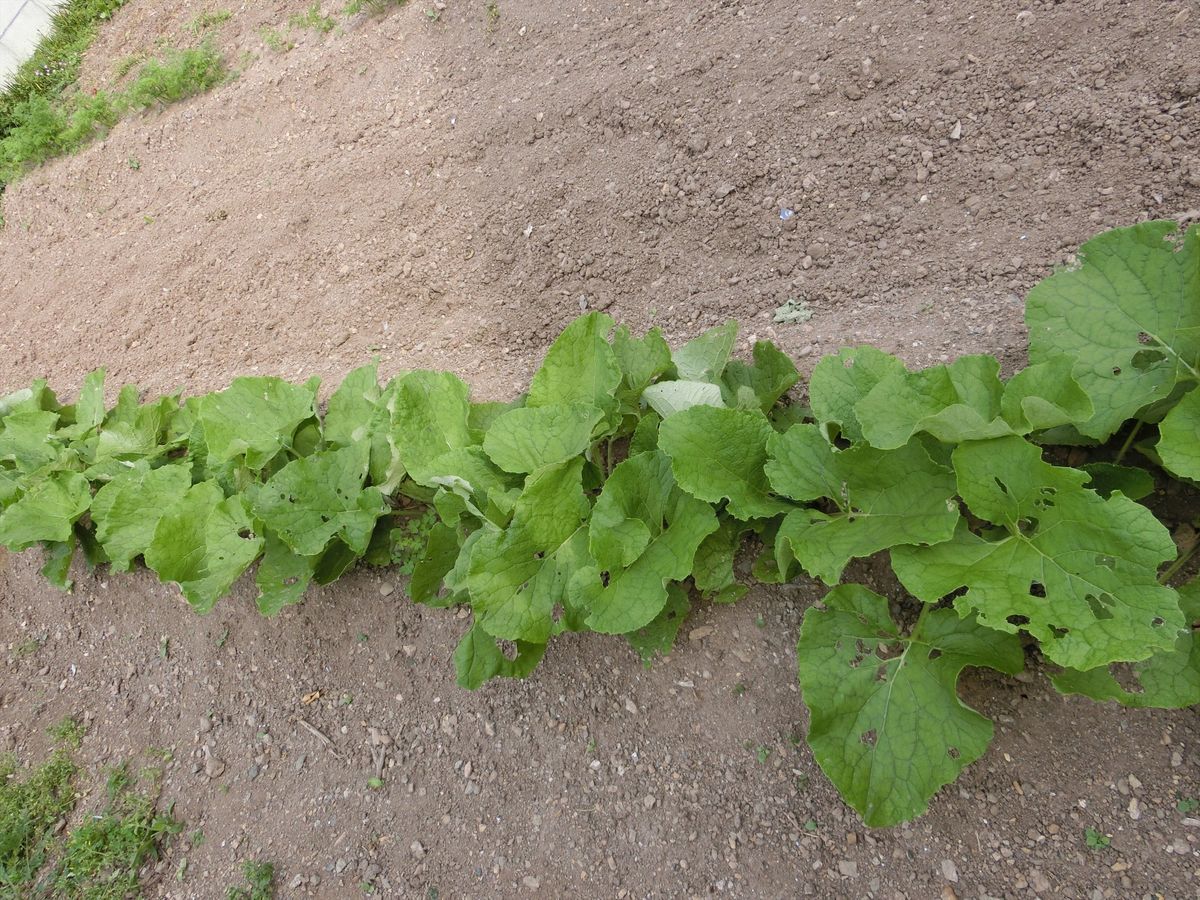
[[622, 486]]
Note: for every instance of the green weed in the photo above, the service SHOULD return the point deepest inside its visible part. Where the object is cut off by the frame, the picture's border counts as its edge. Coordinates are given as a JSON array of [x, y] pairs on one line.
[[261, 879], [1096, 840], [29, 813], [274, 41], [206, 21], [492, 8], [314, 19], [102, 857], [68, 731]]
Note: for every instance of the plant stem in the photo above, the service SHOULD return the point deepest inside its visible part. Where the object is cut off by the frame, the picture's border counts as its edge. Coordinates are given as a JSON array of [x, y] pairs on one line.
[[1137, 426], [1179, 563]]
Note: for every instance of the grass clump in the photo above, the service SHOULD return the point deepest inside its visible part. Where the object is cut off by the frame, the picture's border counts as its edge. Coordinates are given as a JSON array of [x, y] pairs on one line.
[[206, 21], [69, 731], [260, 877], [313, 18], [41, 128], [54, 65], [101, 858], [29, 814]]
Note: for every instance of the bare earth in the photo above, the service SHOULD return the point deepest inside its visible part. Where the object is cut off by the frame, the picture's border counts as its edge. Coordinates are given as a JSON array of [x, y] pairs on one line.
[[448, 194]]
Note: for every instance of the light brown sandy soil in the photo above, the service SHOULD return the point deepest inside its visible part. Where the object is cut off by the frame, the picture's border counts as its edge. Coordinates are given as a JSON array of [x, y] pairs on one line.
[[449, 194]]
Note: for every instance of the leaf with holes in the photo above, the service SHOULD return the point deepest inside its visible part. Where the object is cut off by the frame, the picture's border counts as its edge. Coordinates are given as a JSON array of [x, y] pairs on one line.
[[203, 543], [1128, 314], [479, 658], [882, 498], [283, 575], [719, 454], [312, 500], [1170, 679], [886, 723], [1076, 571]]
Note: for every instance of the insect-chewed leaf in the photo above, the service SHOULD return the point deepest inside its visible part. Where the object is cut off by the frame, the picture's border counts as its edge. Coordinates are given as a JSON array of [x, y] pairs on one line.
[[1076, 571], [718, 454], [1170, 679], [884, 498], [203, 543], [1179, 437], [47, 511], [127, 509], [283, 575], [1128, 314], [886, 723], [312, 500], [254, 418]]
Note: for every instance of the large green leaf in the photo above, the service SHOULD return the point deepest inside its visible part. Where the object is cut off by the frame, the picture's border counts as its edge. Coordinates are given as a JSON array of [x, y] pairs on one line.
[[1170, 679], [884, 498], [478, 659], [28, 439], [203, 543], [839, 382], [429, 419], [311, 501], [642, 360], [352, 408], [712, 569], [46, 512], [518, 574], [718, 454], [283, 575], [761, 384], [886, 723], [525, 440], [955, 402], [703, 358], [643, 535], [1076, 571], [254, 418], [669, 397], [1179, 437], [1128, 314], [1045, 395], [580, 367], [127, 509]]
